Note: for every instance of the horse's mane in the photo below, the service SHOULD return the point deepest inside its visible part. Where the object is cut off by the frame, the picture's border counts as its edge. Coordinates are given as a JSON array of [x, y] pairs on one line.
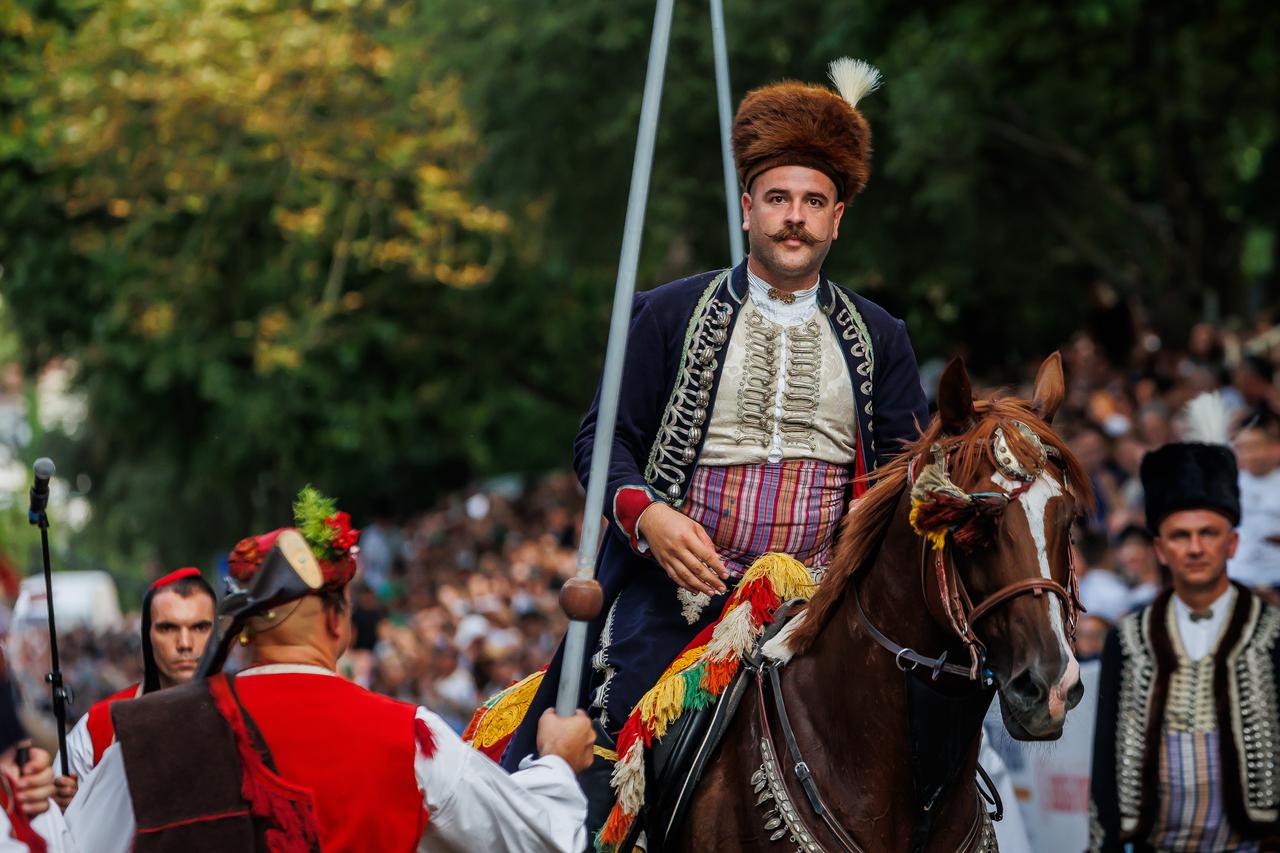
[[862, 530]]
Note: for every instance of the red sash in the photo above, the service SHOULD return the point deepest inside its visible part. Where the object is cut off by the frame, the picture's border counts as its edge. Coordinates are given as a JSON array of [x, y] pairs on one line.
[[102, 733], [20, 827]]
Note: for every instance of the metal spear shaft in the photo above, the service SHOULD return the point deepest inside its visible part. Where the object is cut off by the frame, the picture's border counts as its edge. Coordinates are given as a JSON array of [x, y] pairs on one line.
[[721, 52], [38, 515], [615, 355]]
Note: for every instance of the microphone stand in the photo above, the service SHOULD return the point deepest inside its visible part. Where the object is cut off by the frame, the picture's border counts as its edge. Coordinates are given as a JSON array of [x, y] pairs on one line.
[[54, 677]]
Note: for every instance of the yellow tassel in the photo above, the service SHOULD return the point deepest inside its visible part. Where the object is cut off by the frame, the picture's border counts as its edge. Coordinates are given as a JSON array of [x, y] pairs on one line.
[[937, 539], [788, 575], [687, 659], [662, 705]]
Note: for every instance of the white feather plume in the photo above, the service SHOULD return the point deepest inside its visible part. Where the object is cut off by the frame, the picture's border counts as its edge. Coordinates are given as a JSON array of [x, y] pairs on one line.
[[853, 78], [1208, 419]]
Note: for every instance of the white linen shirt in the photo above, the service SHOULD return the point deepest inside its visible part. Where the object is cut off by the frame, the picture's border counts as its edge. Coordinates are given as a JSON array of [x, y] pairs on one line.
[[1200, 638]]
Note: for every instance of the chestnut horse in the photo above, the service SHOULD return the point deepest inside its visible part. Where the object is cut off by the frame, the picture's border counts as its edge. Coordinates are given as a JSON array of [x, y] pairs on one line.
[[921, 619]]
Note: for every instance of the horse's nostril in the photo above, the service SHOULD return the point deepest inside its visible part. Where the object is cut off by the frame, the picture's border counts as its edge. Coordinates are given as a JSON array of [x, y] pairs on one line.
[[1075, 694], [1028, 689]]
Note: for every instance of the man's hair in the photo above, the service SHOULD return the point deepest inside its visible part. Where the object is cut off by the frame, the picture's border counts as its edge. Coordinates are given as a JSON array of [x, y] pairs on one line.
[[1263, 421], [1093, 547], [187, 587]]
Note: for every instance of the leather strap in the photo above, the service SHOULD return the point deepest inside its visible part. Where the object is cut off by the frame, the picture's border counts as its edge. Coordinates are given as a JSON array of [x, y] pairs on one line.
[[902, 654], [800, 768], [991, 795], [1013, 590]]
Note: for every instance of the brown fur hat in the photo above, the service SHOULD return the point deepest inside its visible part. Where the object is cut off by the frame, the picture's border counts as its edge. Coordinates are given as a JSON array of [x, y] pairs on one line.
[[799, 124]]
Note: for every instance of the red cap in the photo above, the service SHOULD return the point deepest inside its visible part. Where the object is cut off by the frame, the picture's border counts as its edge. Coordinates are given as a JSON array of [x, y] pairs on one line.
[[174, 577]]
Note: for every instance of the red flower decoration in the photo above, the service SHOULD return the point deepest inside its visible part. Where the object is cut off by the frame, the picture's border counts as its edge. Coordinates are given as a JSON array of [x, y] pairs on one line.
[[244, 559], [344, 537]]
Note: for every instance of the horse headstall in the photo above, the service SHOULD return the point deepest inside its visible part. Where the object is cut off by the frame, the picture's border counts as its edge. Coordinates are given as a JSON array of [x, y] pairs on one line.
[[942, 513]]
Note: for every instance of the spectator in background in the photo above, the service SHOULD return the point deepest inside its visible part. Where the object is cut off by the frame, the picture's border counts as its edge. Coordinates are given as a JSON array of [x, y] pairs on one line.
[[1102, 592], [1257, 559], [1137, 563], [1092, 447], [379, 545], [1153, 420], [1254, 379], [1091, 636], [366, 613]]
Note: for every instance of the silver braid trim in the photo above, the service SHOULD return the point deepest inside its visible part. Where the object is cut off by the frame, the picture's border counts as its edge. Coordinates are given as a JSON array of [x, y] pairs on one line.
[[1131, 719], [760, 373], [600, 664], [853, 330], [803, 389], [675, 447], [1253, 692]]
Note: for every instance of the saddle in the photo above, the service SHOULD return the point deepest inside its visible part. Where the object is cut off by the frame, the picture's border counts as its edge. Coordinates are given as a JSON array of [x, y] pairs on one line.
[[675, 763]]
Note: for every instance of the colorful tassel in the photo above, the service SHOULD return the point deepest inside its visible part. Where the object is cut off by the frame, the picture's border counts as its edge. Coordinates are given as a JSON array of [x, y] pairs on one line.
[[697, 678]]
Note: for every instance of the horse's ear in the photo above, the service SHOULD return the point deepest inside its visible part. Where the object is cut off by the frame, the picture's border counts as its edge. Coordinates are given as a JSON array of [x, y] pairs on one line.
[[955, 398], [1050, 388]]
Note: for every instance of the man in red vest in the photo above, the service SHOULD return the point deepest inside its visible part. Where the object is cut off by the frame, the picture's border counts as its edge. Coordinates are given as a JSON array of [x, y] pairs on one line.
[[287, 755], [177, 617]]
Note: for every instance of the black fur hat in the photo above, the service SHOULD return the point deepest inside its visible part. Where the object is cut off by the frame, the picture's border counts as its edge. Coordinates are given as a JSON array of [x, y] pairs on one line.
[[1190, 476]]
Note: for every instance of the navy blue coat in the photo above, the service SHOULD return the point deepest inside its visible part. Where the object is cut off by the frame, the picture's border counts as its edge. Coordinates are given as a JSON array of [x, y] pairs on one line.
[[671, 374]]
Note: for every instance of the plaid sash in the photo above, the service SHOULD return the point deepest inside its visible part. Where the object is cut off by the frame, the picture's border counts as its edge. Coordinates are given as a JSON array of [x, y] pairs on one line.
[[792, 507]]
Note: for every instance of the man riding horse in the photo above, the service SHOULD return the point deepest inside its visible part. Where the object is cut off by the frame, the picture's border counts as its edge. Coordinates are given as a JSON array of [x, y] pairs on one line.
[[754, 402]]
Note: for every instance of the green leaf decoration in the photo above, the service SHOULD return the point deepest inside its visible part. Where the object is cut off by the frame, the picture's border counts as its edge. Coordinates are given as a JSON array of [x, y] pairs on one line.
[[310, 511]]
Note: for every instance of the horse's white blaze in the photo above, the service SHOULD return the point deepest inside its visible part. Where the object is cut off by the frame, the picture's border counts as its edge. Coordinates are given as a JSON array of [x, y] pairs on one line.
[[1035, 503]]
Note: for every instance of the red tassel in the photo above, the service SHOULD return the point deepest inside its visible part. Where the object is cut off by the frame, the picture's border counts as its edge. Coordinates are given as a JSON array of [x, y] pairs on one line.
[[287, 808], [973, 523], [763, 600], [630, 732]]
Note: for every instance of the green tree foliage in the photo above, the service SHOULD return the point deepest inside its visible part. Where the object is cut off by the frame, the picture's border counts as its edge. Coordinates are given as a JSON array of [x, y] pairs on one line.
[[264, 205], [1024, 151], [371, 244]]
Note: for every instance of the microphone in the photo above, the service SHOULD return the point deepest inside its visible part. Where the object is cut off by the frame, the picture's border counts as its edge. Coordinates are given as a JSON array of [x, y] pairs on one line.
[[44, 469]]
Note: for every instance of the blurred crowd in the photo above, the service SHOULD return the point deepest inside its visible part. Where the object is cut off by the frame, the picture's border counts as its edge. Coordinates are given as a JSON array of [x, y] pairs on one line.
[[462, 601], [455, 603]]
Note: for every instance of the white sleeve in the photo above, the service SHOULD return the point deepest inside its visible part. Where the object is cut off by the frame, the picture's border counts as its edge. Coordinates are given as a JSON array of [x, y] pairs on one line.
[[79, 750], [476, 805], [48, 826], [100, 818]]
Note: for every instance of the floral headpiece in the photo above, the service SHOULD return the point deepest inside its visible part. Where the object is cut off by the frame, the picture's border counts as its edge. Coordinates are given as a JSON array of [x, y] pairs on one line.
[[328, 532]]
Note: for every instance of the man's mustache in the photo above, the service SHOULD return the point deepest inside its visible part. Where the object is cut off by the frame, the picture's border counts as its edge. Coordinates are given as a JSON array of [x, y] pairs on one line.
[[799, 232]]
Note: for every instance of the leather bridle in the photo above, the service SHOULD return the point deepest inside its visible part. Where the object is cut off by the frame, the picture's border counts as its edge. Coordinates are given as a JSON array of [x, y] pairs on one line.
[[962, 613]]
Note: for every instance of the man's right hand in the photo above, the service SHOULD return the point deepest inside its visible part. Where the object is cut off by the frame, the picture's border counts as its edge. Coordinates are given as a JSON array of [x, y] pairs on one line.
[[682, 548], [571, 738], [64, 790]]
